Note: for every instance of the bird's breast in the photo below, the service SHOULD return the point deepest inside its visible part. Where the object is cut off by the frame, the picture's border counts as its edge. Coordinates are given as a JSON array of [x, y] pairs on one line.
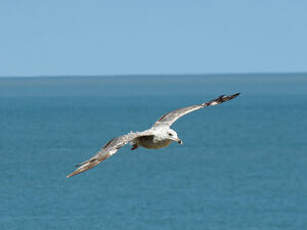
[[150, 142]]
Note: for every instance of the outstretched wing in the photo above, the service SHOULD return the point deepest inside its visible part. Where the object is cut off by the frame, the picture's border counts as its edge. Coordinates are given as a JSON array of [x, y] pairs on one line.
[[169, 118], [108, 150]]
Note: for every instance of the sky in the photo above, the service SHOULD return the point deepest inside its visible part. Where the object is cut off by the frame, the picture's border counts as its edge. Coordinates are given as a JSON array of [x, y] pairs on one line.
[[115, 37]]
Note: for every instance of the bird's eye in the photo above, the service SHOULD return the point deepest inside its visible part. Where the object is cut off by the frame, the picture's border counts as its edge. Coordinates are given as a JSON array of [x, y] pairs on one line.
[[170, 134]]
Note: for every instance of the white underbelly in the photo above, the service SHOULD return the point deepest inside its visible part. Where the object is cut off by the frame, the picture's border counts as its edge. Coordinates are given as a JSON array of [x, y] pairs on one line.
[[150, 143]]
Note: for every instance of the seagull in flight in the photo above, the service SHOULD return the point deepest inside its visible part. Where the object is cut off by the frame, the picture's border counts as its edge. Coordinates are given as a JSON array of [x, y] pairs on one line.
[[160, 135]]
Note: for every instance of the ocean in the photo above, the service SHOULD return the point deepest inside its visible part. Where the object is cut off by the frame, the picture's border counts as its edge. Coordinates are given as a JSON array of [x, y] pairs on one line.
[[242, 164]]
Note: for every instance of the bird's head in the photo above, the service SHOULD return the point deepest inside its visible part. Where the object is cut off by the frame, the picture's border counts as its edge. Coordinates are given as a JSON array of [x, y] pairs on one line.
[[172, 135]]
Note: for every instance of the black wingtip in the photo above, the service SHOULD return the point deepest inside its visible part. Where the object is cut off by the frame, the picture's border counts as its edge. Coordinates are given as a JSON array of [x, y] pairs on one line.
[[232, 96], [235, 95], [226, 98]]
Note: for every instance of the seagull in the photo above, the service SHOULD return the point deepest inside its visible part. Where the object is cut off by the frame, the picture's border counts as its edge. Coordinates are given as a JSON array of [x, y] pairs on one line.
[[160, 135]]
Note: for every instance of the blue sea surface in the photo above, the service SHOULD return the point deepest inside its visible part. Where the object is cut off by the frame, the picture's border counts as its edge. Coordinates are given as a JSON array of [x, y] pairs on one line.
[[243, 164]]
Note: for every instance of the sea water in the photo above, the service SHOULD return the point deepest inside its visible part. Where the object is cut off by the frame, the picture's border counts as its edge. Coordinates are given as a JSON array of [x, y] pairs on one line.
[[242, 164]]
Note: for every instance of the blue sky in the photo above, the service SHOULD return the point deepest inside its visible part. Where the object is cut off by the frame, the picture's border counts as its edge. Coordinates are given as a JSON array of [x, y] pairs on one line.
[[71, 37]]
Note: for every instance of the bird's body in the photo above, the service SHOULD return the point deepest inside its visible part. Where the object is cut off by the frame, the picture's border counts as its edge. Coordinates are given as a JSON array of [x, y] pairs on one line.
[[151, 142], [160, 135]]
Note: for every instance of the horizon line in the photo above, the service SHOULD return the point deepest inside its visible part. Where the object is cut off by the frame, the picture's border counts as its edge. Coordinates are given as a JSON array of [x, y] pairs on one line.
[[153, 74]]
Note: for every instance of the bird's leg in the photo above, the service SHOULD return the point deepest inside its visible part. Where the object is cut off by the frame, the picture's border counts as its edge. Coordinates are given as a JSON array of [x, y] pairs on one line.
[[134, 146]]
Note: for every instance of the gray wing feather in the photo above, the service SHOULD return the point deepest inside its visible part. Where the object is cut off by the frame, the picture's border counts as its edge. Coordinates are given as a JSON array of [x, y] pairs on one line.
[[108, 150], [169, 118]]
